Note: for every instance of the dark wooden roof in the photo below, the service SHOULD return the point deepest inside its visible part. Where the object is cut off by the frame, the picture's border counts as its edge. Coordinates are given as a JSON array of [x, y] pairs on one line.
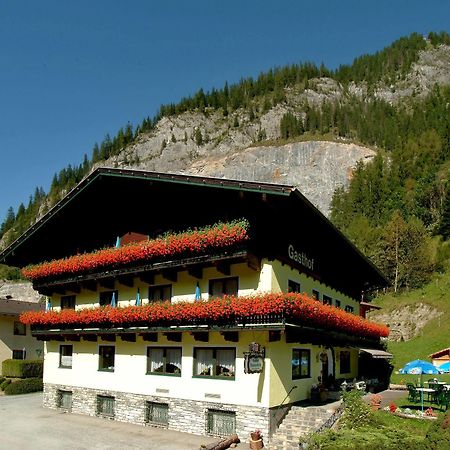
[[10, 307], [111, 202]]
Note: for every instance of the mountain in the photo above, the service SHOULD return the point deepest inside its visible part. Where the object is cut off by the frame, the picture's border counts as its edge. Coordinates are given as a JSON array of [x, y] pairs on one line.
[[299, 125]]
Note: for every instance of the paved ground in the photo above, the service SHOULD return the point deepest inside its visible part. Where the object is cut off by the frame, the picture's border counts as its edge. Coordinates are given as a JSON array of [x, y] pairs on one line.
[[24, 425]]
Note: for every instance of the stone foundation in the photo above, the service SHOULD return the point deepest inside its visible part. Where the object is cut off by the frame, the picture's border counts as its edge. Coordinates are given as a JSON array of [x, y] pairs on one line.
[[188, 416]]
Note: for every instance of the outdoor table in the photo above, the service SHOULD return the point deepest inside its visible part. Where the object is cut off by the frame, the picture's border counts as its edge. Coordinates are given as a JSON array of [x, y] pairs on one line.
[[428, 391]]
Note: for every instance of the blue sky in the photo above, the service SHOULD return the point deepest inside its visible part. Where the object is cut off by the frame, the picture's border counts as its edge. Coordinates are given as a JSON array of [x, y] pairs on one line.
[[70, 72]]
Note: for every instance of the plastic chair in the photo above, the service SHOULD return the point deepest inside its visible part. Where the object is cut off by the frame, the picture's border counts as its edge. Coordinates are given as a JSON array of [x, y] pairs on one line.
[[444, 399], [413, 395]]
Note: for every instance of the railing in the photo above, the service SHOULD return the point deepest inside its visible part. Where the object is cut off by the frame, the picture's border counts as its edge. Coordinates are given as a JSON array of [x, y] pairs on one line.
[[331, 420], [278, 418]]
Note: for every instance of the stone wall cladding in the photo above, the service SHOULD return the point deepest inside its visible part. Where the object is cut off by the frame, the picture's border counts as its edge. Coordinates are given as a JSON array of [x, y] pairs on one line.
[[188, 416]]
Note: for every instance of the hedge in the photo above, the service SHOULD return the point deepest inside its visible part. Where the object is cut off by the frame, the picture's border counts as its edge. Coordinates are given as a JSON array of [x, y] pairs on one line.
[[2, 379], [4, 384], [24, 386], [23, 368]]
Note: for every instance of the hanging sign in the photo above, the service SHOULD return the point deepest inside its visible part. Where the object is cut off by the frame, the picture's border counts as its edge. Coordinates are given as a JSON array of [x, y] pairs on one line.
[[254, 358]]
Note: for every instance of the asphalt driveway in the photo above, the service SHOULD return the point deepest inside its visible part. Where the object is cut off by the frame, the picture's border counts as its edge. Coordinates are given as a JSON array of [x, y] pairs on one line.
[[25, 424]]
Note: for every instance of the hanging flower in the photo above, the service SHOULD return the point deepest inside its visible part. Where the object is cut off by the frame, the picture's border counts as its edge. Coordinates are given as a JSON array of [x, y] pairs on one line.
[[297, 308], [216, 237]]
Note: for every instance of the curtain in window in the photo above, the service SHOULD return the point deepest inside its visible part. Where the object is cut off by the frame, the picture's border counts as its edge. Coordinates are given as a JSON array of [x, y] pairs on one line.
[[173, 360], [156, 356], [204, 359], [225, 362]]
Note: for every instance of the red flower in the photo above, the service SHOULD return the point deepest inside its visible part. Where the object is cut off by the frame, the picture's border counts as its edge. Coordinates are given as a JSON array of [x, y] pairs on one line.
[[197, 241], [297, 308]]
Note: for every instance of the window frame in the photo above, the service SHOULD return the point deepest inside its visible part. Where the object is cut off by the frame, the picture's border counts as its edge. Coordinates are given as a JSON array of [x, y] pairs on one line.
[[213, 363], [211, 412], [150, 406], [350, 309], [102, 369], [101, 301], [164, 349], [103, 399], [301, 351], [337, 303], [161, 288], [61, 366], [71, 301], [19, 328], [21, 352], [348, 361], [327, 300], [316, 295], [222, 280], [294, 286]]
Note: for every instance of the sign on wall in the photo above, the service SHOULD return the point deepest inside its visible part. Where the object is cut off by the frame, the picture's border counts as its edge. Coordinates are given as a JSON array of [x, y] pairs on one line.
[[254, 358]]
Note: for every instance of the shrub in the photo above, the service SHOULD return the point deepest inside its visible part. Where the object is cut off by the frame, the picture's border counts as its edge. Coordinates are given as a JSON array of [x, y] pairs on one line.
[[4, 384], [438, 435], [24, 386], [18, 368], [357, 412], [2, 379]]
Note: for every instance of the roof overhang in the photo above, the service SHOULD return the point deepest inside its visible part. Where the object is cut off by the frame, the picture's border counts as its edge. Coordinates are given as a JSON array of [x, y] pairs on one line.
[[376, 354], [111, 202]]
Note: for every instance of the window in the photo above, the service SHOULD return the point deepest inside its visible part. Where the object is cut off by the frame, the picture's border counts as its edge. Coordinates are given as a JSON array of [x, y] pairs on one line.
[[223, 286], [349, 308], [106, 358], [20, 329], [301, 363], [105, 405], [316, 294], [344, 361], [157, 413], [221, 423], [164, 360], [19, 354], [106, 297], [158, 293], [327, 300], [65, 400], [337, 303], [214, 362], [293, 286], [65, 356], [68, 302]]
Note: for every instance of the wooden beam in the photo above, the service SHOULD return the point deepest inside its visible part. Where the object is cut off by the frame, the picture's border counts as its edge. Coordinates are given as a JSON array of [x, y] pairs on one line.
[[224, 267], [173, 336], [171, 275], [126, 280], [148, 278], [89, 337], [201, 336], [108, 337], [254, 263], [149, 337], [74, 287], [230, 336], [90, 285], [196, 272], [107, 283], [72, 337], [128, 337]]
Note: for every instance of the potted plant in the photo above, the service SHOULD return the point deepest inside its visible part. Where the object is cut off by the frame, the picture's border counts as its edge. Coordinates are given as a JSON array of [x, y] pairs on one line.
[[256, 441]]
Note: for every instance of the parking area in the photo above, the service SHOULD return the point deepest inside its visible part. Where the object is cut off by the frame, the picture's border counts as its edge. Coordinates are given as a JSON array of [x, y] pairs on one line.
[[26, 424]]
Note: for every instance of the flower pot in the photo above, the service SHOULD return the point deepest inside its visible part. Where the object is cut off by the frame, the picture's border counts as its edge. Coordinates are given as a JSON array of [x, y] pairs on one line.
[[256, 444]]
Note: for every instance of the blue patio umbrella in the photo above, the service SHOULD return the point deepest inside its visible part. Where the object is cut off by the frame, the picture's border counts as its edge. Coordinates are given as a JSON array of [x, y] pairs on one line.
[[198, 293], [419, 367], [445, 367], [138, 297], [113, 300]]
